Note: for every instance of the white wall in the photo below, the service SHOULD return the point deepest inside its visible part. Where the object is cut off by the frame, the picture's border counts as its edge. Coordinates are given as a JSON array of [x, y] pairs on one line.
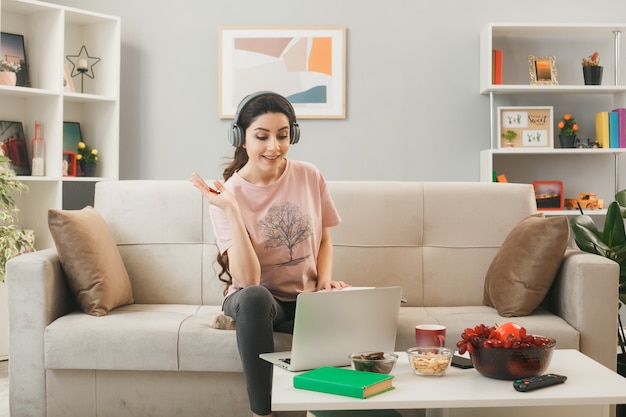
[[413, 107]]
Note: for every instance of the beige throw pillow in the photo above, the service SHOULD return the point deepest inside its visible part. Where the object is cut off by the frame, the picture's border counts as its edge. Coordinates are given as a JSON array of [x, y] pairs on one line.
[[524, 268], [92, 263]]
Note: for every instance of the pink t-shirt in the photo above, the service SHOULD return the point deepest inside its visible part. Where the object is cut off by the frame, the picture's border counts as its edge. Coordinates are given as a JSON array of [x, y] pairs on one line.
[[284, 221]]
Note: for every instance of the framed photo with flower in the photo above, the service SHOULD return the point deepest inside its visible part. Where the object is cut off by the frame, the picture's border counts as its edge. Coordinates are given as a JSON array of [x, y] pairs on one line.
[[525, 127], [69, 164], [549, 195], [13, 52], [13, 144], [542, 70]]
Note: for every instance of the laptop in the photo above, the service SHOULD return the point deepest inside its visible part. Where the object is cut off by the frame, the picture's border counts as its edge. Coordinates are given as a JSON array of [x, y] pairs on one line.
[[331, 325]]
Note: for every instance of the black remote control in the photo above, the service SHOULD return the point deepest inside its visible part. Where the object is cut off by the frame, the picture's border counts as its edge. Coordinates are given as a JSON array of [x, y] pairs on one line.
[[529, 384]]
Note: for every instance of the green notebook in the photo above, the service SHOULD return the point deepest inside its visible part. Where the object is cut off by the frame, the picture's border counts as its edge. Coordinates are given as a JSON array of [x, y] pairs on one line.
[[342, 381]]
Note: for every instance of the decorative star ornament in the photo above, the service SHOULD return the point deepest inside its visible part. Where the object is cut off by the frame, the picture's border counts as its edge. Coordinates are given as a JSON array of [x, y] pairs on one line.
[[83, 63]]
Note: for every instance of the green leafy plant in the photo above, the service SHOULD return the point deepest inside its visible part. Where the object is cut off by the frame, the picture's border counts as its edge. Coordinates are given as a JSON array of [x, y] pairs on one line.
[[509, 135], [610, 242], [86, 154], [13, 239]]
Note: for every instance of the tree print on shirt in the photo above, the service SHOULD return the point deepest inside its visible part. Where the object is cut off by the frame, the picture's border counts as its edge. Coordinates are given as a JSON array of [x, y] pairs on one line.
[[285, 226]]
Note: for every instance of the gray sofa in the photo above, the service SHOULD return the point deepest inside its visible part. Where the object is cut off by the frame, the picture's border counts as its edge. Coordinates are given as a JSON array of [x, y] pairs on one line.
[[159, 357]]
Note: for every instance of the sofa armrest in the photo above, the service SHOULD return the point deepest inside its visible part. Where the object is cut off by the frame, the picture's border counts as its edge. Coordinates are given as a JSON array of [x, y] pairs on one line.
[[584, 294], [37, 295]]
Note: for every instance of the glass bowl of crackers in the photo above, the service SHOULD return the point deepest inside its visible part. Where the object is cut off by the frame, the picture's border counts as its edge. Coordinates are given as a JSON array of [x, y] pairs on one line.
[[431, 361]]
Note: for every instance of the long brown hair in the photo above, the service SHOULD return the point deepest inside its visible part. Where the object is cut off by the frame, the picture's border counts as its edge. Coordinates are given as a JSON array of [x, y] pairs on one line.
[[265, 103]]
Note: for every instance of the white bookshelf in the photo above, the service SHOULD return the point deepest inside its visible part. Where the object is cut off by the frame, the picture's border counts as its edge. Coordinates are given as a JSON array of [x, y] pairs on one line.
[[52, 32], [581, 170]]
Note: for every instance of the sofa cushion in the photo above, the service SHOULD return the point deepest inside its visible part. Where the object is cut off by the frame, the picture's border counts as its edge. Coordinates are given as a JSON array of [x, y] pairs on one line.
[[156, 337], [541, 322], [92, 264], [524, 268]]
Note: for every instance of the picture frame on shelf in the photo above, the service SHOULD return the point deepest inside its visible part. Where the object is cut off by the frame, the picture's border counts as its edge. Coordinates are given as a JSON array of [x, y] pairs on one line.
[[12, 49], [525, 127], [549, 195], [305, 64], [68, 84], [14, 146], [542, 70], [71, 136], [69, 164]]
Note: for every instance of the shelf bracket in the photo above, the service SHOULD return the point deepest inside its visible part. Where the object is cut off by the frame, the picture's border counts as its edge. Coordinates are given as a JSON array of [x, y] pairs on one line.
[[617, 186], [617, 34], [492, 136]]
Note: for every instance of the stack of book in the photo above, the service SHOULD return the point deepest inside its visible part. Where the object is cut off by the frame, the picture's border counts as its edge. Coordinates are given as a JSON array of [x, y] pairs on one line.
[[341, 381], [611, 128]]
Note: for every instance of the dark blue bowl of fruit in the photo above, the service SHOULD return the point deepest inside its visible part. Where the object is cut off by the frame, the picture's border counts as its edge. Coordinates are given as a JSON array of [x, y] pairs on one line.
[[507, 351]]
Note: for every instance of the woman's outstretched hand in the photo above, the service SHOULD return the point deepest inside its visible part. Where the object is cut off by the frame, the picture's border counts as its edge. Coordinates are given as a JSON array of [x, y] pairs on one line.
[[216, 195]]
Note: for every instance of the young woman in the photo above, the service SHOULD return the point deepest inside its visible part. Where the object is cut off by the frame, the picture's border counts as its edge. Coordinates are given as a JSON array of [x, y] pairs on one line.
[[271, 218]]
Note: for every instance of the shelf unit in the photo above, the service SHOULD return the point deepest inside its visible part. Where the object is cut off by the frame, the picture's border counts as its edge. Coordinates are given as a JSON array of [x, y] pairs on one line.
[[581, 170], [51, 32]]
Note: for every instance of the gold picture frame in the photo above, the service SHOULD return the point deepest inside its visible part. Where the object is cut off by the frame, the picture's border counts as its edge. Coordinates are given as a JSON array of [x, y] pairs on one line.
[[542, 70]]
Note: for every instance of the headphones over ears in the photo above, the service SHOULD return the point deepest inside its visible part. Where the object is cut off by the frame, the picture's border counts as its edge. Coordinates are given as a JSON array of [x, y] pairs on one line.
[[237, 136]]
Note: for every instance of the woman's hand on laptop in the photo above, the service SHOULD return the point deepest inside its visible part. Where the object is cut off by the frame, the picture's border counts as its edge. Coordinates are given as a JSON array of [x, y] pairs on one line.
[[331, 285]]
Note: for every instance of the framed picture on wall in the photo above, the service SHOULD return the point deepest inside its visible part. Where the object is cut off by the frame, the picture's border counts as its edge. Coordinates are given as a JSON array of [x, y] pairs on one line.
[[549, 195], [525, 127], [542, 70], [305, 64], [12, 50]]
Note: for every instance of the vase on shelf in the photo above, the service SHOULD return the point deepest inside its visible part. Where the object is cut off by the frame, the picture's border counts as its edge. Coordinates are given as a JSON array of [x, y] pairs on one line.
[[8, 78], [567, 141], [87, 170], [592, 75]]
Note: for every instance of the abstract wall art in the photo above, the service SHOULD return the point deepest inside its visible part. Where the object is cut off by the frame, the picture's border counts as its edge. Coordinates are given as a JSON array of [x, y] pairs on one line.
[[305, 64]]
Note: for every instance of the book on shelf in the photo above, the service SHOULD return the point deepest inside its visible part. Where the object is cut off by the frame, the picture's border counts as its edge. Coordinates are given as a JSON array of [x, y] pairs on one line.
[[496, 66], [343, 381], [621, 126], [613, 129], [602, 129]]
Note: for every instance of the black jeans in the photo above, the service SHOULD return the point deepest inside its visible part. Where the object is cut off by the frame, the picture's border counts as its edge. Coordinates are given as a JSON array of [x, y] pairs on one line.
[[257, 315]]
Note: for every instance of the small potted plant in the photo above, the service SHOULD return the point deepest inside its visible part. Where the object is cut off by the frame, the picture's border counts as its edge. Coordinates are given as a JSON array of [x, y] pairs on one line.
[[87, 158], [592, 71], [567, 131], [8, 73], [509, 135]]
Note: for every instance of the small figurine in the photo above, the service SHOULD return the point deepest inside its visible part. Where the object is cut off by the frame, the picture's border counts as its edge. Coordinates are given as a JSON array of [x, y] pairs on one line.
[[586, 200]]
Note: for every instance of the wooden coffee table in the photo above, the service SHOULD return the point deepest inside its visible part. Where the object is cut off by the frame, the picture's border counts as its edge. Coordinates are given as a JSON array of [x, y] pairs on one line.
[[588, 383]]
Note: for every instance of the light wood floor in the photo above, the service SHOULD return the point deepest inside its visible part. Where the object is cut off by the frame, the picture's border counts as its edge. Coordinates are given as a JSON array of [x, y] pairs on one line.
[[4, 388]]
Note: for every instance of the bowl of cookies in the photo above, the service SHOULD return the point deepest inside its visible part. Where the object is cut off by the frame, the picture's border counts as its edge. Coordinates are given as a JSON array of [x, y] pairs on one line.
[[378, 362], [429, 361]]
